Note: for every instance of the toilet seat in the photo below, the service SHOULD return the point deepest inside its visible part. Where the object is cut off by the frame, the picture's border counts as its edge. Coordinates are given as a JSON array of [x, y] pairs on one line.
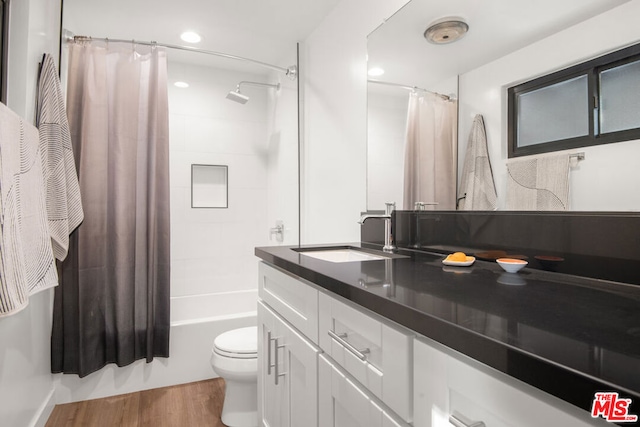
[[238, 343]]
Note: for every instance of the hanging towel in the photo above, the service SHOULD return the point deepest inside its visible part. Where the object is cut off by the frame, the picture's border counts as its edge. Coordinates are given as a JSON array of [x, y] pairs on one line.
[[538, 184], [27, 259], [64, 206], [477, 188]]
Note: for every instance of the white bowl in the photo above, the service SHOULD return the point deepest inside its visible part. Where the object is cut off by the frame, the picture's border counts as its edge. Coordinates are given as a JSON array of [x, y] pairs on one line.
[[511, 265]]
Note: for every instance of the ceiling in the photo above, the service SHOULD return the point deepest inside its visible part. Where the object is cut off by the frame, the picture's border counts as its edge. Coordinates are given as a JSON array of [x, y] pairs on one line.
[[264, 30], [268, 30], [496, 28]]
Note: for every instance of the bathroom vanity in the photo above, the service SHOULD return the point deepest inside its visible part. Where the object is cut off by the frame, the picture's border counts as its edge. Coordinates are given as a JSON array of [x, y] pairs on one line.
[[404, 341]]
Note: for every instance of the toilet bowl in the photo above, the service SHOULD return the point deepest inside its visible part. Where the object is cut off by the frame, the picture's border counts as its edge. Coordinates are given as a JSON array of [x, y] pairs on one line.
[[234, 357]]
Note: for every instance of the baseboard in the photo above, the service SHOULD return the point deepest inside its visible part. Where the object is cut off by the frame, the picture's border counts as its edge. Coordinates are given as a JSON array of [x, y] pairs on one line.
[[44, 411]]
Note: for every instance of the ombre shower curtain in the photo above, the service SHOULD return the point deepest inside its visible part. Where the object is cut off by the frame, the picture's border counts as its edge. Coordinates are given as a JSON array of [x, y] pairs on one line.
[[430, 151], [112, 305]]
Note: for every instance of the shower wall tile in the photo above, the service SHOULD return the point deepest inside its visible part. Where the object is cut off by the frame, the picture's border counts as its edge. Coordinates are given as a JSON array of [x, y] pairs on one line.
[[212, 249], [208, 275], [245, 171], [177, 132], [224, 136], [195, 240]]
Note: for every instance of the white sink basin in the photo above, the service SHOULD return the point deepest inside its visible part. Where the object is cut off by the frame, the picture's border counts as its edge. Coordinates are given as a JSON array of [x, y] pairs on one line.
[[342, 255]]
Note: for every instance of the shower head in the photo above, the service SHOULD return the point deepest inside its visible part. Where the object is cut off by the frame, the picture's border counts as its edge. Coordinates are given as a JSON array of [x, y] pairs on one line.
[[242, 99], [236, 96]]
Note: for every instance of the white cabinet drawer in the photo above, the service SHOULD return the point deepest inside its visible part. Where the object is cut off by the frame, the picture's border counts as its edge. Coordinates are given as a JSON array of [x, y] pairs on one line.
[[296, 301], [342, 402], [378, 354], [447, 383]]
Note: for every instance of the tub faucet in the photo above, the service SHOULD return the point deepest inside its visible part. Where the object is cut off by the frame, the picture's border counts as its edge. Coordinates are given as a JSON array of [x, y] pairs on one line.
[[390, 207]]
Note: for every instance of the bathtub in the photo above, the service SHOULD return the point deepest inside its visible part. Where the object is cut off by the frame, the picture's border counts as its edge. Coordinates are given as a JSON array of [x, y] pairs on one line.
[[195, 322], [222, 306]]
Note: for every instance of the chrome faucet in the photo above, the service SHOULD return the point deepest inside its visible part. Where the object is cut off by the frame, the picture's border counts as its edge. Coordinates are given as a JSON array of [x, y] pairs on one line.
[[390, 207]]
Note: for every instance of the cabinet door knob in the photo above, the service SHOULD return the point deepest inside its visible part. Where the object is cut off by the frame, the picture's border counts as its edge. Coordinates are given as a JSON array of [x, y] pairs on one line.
[[455, 419], [340, 339]]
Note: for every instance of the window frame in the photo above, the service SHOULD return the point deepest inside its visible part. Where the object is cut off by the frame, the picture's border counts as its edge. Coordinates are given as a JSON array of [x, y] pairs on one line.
[[592, 70], [4, 48]]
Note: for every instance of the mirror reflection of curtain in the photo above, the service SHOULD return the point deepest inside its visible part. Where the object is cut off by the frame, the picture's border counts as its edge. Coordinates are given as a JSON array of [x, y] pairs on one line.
[[430, 151], [112, 305]]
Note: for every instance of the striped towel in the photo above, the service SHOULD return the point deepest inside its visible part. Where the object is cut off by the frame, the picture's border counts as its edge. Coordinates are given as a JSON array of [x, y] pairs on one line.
[[477, 189], [27, 263], [64, 206]]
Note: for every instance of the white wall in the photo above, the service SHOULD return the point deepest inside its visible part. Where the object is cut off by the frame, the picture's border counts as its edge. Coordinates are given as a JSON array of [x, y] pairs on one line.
[[34, 30], [609, 178], [334, 77], [26, 383], [386, 137]]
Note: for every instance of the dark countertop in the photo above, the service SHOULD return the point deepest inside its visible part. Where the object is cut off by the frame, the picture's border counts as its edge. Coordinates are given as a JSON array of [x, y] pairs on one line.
[[566, 335]]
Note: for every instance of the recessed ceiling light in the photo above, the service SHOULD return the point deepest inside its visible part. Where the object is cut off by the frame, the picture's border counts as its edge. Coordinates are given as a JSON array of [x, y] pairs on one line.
[[375, 71], [191, 37], [181, 84]]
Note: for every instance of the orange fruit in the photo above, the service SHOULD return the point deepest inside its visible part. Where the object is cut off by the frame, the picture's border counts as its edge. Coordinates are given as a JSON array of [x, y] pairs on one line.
[[458, 256]]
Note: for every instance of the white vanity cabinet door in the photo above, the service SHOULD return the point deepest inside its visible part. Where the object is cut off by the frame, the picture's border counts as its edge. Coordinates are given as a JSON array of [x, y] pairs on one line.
[[287, 374], [273, 403], [343, 402], [292, 298], [447, 383], [430, 390], [377, 353]]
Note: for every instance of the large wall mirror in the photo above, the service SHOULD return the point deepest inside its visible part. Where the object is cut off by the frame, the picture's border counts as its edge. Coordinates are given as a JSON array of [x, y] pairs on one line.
[[508, 42]]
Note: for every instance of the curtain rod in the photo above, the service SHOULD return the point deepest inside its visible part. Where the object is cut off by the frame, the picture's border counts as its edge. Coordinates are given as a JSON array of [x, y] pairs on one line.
[[291, 71], [415, 88]]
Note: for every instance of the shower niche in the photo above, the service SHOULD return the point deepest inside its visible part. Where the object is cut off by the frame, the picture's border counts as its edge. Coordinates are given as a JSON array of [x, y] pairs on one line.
[[209, 186]]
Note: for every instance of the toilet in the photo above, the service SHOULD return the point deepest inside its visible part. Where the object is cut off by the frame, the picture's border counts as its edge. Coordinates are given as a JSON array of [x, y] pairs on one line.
[[234, 357]]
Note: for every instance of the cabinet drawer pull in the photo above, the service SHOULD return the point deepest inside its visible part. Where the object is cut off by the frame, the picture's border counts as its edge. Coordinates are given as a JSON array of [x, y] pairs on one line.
[[457, 422], [360, 354], [269, 364], [277, 374]]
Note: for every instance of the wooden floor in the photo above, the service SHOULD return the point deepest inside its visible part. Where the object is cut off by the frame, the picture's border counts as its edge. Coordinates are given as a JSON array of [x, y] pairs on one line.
[[196, 404]]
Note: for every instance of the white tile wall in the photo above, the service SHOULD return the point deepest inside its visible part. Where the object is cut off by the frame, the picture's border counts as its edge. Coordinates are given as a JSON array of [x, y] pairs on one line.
[[282, 173], [212, 250]]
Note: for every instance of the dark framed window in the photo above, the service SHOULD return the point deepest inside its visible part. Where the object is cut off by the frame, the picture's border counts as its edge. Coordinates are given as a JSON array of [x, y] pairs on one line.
[[596, 102], [4, 48]]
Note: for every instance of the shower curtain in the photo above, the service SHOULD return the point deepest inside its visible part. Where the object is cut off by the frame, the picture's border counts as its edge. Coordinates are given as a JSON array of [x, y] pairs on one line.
[[112, 305], [430, 151]]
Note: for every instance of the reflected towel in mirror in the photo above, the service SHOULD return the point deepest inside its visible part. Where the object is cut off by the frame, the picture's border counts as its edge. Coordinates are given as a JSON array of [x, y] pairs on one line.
[[477, 188], [538, 184]]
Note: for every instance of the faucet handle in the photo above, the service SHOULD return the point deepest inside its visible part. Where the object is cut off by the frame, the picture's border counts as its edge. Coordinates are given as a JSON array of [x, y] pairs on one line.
[[390, 207], [421, 206]]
